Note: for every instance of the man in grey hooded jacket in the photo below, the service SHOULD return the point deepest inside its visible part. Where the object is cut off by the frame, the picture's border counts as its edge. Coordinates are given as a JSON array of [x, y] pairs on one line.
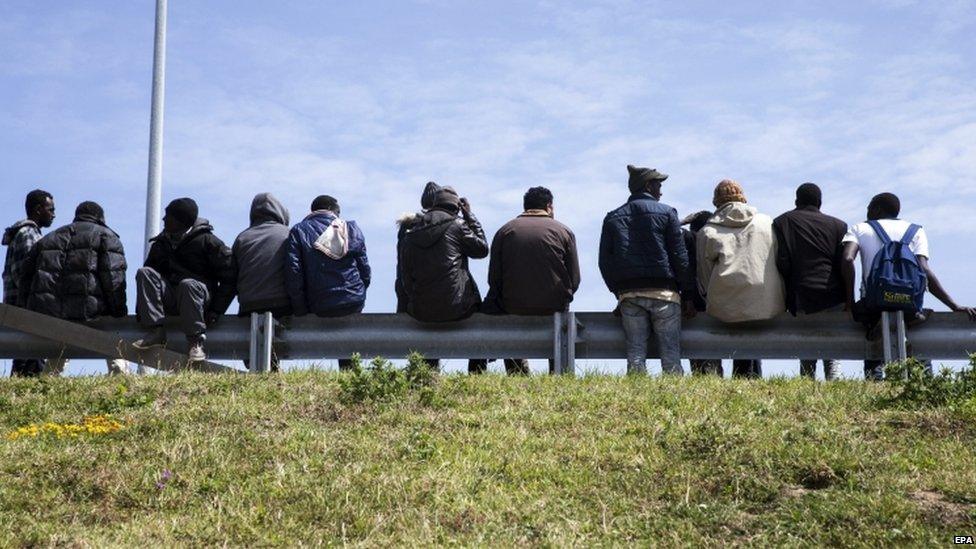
[[259, 261]]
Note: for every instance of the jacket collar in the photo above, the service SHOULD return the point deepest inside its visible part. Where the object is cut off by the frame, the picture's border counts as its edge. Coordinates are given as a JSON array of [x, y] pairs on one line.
[[535, 213], [641, 196], [807, 209], [86, 218], [326, 213]]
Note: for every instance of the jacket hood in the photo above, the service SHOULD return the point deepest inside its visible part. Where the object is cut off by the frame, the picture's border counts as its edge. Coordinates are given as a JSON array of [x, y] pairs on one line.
[[265, 208], [429, 229], [733, 214], [407, 219], [11, 231]]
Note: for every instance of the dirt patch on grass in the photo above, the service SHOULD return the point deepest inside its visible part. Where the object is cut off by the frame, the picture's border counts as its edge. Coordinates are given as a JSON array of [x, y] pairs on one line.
[[818, 477], [941, 510], [793, 491]]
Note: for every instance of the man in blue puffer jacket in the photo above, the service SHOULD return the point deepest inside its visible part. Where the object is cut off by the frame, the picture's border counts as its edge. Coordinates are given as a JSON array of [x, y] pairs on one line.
[[326, 269], [645, 264]]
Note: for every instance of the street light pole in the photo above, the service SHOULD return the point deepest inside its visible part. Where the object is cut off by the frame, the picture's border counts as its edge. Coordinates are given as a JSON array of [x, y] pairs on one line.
[[155, 182]]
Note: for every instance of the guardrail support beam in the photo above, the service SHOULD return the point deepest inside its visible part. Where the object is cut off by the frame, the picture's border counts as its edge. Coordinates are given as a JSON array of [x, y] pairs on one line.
[[564, 342]]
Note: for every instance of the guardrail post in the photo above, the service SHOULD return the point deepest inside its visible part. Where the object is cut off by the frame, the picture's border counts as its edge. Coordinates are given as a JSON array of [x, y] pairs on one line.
[[262, 335], [564, 342], [900, 334], [886, 336], [252, 354], [899, 347]]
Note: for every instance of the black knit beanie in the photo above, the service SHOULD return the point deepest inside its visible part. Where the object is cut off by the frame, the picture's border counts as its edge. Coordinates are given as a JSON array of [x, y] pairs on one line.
[[183, 210], [427, 198]]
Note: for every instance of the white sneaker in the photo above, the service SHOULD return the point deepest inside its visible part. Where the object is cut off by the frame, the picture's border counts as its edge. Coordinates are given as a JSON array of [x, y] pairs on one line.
[[196, 353]]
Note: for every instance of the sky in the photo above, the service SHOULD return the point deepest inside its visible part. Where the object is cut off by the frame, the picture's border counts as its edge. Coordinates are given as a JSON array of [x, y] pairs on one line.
[[369, 100]]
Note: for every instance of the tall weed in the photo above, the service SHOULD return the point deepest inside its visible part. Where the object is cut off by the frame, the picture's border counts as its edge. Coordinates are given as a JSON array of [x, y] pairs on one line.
[[912, 386]]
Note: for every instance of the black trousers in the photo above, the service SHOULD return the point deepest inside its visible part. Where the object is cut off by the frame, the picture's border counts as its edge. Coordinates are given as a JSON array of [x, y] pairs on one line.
[[26, 367], [475, 365], [520, 366], [750, 369]]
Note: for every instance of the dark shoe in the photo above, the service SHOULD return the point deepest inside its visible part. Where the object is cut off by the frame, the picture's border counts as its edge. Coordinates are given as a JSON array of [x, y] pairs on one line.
[[153, 338], [197, 353]]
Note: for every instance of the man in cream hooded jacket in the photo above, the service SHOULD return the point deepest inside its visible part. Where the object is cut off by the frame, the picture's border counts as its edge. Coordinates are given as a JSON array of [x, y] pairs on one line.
[[737, 265]]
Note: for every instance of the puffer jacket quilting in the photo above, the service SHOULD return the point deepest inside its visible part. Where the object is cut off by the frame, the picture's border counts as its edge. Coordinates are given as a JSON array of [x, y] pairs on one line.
[[641, 247], [77, 272]]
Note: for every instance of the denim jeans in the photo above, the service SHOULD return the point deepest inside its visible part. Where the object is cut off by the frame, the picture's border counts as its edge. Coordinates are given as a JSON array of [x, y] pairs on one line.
[[639, 314], [808, 368]]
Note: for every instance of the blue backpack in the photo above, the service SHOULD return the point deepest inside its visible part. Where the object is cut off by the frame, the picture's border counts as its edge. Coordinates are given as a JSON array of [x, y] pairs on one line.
[[896, 282]]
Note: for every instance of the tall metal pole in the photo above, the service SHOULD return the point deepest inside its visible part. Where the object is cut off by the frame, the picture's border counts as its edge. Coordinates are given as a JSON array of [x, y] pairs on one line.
[[155, 183]]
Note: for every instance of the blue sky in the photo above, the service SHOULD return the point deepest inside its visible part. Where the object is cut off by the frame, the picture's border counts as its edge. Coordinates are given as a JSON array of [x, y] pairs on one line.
[[369, 100]]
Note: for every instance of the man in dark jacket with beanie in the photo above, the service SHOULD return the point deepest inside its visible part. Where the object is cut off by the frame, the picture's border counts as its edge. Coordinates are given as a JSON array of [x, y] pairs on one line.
[[19, 239], [326, 268], [644, 262], [189, 272], [77, 273], [432, 263]]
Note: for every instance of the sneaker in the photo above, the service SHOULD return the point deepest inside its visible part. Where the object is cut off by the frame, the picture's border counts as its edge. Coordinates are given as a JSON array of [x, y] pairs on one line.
[[153, 338], [196, 353]]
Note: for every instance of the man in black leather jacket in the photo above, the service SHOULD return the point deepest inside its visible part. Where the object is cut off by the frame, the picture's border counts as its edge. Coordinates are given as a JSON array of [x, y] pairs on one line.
[[432, 262]]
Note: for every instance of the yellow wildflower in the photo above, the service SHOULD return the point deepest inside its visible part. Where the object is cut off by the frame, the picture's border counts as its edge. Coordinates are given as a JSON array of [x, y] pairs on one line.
[[90, 425]]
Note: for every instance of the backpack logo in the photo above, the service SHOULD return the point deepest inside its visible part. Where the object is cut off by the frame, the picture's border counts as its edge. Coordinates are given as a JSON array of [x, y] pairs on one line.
[[895, 282]]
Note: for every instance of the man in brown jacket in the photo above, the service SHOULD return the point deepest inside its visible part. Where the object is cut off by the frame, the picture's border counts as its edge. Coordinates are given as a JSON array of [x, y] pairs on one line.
[[534, 266]]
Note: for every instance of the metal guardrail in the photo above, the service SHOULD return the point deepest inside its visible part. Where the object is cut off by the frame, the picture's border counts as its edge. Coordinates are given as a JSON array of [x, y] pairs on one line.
[[597, 336]]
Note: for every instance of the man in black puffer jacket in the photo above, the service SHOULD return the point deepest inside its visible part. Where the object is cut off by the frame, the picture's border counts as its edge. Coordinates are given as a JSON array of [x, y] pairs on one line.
[[190, 273], [77, 273], [432, 263]]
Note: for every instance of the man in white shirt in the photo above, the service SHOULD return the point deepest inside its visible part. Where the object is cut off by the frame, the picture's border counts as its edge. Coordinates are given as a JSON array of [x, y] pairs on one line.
[[884, 208]]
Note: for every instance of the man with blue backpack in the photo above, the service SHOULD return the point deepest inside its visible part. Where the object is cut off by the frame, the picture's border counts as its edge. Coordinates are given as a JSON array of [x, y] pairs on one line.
[[895, 270]]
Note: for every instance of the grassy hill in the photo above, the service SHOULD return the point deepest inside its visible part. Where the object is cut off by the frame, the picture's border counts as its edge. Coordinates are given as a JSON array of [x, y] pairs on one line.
[[323, 458]]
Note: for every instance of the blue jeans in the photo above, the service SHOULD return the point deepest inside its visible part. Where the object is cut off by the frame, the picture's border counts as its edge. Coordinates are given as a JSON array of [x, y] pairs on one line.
[[639, 314]]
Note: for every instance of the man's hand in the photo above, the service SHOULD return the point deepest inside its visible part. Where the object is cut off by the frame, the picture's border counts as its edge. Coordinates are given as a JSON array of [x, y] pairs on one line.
[[688, 309], [211, 318], [465, 208], [971, 311]]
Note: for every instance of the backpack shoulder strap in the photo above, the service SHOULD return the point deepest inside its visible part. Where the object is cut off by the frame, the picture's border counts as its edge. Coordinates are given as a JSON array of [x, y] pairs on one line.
[[910, 234], [885, 239]]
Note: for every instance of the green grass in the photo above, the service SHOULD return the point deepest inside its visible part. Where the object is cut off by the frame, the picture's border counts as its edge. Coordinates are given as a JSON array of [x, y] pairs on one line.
[[291, 459]]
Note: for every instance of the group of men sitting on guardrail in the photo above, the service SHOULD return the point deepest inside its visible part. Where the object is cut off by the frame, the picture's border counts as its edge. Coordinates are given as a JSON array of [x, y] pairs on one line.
[[733, 263]]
